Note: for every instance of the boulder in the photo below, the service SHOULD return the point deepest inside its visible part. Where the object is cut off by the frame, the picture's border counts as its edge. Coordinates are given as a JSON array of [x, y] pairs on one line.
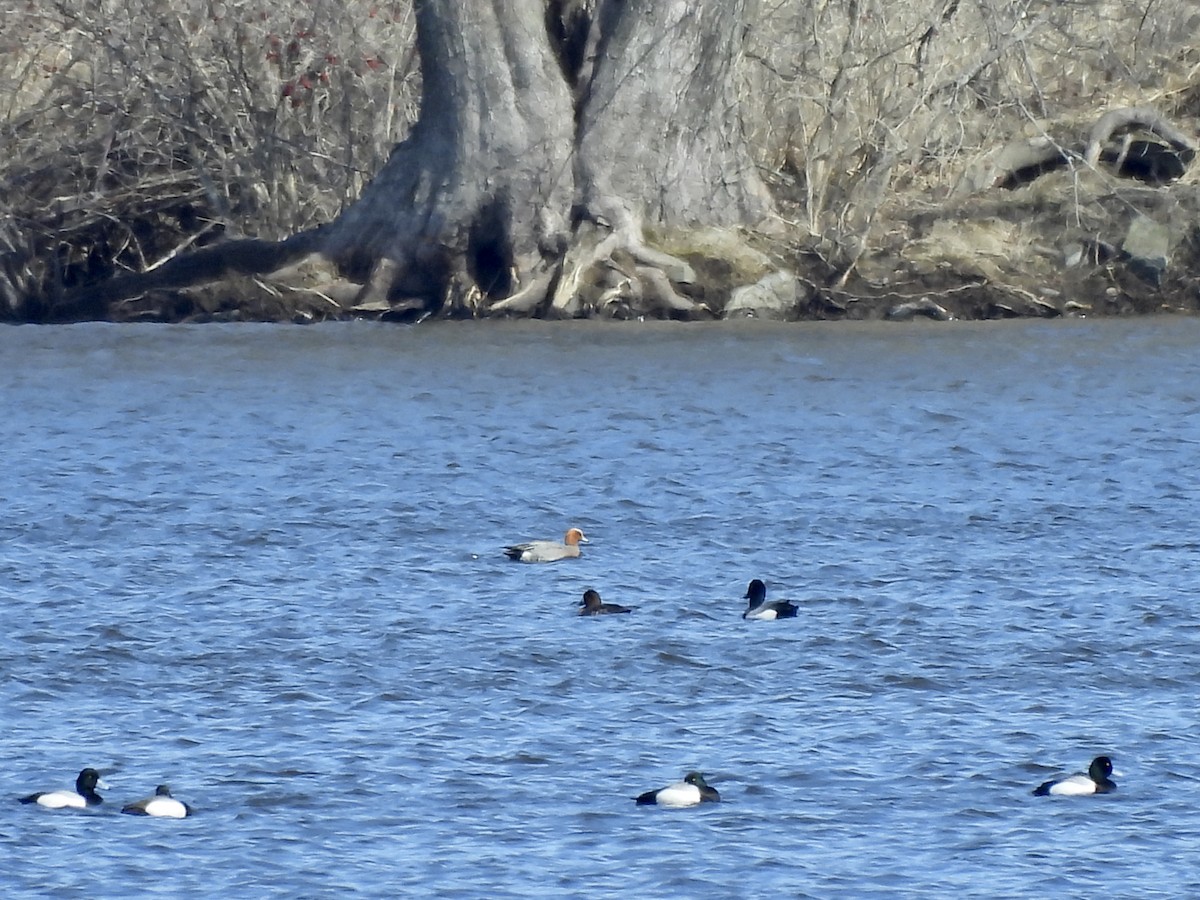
[[1148, 245], [774, 296]]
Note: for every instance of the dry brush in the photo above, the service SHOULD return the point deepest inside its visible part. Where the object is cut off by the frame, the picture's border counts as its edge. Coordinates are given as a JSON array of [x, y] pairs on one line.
[[140, 131]]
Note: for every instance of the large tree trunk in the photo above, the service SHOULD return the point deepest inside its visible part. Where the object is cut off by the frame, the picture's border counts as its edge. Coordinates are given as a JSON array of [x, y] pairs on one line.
[[552, 133], [659, 143], [659, 117], [476, 201]]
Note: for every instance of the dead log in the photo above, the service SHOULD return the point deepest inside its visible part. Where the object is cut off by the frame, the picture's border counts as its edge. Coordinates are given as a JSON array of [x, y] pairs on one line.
[[1135, 117]]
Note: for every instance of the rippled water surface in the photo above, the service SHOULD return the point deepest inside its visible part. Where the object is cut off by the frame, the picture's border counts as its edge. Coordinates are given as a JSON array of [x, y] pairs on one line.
[[263, 564]]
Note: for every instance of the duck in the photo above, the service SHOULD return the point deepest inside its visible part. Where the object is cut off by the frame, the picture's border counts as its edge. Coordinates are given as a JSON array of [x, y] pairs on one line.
[[592, 605], [1096, 781], [161, 805], [547, 551], [759, 608], [82, 797], [689, 792]]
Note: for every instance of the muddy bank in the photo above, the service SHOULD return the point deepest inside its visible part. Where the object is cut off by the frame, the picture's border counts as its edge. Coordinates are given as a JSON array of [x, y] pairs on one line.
[[1098, 227], [1072, 242]]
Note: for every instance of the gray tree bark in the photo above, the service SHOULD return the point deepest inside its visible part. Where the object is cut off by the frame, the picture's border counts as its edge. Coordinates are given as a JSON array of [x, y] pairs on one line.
[[659, 118], [477, 198]]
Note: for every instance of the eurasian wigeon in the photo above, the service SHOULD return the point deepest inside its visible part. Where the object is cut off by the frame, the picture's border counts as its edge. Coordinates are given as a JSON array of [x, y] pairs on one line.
[[547, 551]]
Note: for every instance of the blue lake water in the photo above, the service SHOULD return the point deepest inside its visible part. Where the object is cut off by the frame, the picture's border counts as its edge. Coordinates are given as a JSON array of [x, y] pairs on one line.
[[263, 564]]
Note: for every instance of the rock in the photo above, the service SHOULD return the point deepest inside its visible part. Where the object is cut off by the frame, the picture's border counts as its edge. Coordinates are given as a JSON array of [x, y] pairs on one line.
[[773, 296], [923, 307], [1043, 308], [1148, 244], [1089, 251], [1032, 306]]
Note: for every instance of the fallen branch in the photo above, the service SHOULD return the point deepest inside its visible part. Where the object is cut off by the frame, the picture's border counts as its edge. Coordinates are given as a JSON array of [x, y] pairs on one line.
[[1130, 116]]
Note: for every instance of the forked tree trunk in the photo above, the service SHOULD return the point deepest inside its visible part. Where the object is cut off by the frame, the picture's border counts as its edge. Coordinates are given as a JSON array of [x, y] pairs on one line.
[[477, 199], [550, 133]]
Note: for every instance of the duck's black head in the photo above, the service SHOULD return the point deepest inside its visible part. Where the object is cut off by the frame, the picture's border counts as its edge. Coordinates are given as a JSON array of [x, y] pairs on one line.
[[756, 593]]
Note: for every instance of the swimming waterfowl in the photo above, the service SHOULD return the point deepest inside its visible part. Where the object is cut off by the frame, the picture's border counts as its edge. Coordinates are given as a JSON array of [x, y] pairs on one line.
[[82, 797], [592, 605], [547, 551], [161, 805], [760, 608], [1096, 781], [692, 790]]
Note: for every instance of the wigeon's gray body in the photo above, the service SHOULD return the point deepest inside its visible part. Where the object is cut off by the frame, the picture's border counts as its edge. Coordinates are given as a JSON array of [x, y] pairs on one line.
[[547, 551]]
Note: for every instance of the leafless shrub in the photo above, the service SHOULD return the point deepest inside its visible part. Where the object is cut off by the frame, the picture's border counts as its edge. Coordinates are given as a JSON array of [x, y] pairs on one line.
[[858, 104], [137, 130]]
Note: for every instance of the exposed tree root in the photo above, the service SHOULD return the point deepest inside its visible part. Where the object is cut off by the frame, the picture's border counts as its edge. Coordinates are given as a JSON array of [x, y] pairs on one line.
[[610, 271], [247, 257]]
